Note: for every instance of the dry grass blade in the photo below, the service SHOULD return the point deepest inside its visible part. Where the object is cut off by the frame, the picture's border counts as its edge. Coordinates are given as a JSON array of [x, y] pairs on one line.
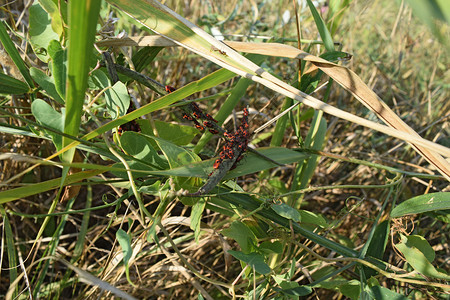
[[345, 77]]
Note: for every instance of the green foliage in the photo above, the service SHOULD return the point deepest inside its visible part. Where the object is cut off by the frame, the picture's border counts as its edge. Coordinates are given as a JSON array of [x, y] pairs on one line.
[[10, 85], [280, 225], [422, 203]]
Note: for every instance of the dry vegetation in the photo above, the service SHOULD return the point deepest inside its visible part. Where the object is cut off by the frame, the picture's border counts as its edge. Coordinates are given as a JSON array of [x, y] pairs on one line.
[[392, 52]]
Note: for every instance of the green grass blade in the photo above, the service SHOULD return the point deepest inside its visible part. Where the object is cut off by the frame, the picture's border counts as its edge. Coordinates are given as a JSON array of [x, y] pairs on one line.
[[10, 85], [25, 191], [83, 16], [206, 82], [11, 250], [322, 27], [14, 54]]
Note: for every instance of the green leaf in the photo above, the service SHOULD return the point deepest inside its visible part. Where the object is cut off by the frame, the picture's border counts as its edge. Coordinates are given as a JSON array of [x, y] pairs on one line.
[[196, 216], [41, 32], [9, 240], [140, 147], [287, 212], [14, 54], [40, 187], [59, 66], [117, 100], [315, 140], [175, 155], [239, 232], [253, 163], [420, 243], [45, 114], [83, 16], [55, 15], [308, 217], [125, 242], [177, 134], [382, 293], [47, 83], [351, 289], [296, 291], [422, 203], [10, 85], [418, 260], [337, 9], [254, 260], [322, 27], [144, 57], [271, 247], [377, 245], [98, 80]]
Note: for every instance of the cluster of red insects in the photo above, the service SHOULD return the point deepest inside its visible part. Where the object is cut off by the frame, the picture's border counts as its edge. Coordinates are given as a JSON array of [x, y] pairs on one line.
[[236, 143], [197, 114]]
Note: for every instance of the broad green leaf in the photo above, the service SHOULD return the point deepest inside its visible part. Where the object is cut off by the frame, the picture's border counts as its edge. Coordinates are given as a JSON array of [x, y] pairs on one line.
[[175, 155], [179, 135], [254, 260], [296, 291], [382, 293], [417, 259], [271, 247], [125, 242], [253, 163], [291, 288], [351, 289], [422, 203], [239, 232], [250, 164], [98, 80], [10, 85], [287, 212], [117, 100], [139, 147], [59, 66], [45, 114], [40, 31], [419, 242], [308, 217], [196, 216], [135, 166], [47, 83], [52, 9], [278, 184]]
